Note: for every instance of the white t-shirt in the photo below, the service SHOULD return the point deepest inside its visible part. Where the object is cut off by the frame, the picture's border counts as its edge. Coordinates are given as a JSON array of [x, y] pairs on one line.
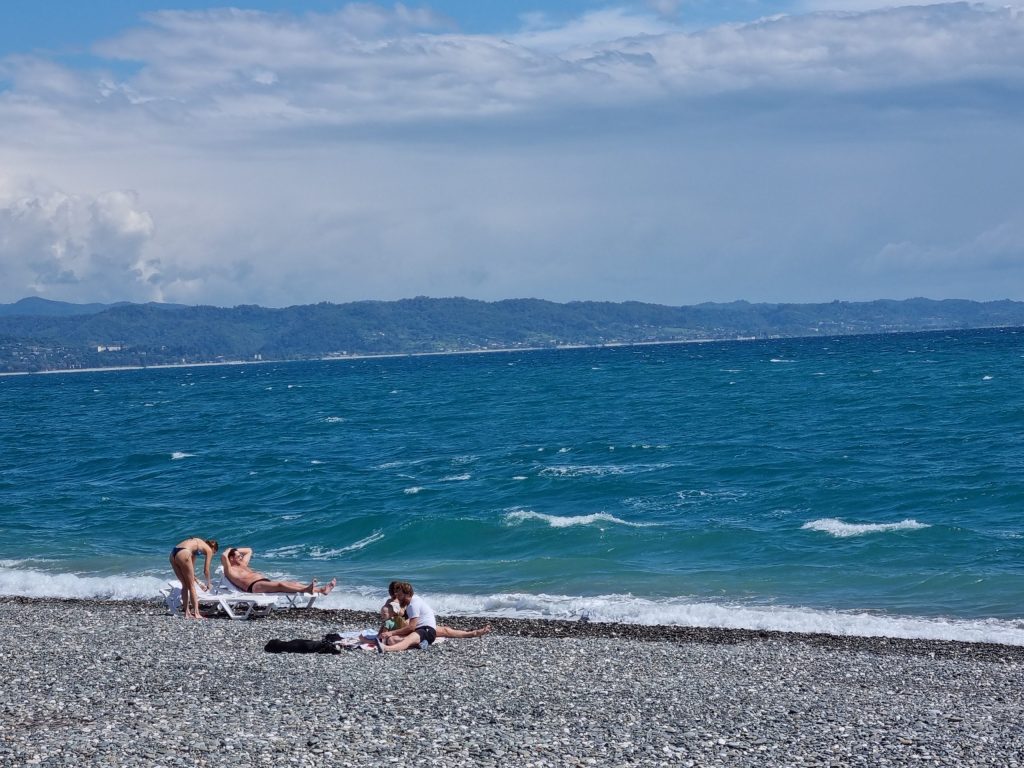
[[418, 609]]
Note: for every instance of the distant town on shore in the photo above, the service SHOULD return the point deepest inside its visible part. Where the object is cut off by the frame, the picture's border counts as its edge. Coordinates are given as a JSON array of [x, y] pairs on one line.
[[41, 335]]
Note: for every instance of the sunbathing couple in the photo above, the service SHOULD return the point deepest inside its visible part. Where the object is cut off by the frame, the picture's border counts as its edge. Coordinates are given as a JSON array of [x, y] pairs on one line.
[[409, 621], [236, 570]]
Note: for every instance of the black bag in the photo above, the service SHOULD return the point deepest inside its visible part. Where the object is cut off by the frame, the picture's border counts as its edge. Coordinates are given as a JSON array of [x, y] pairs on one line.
[[300, 646]]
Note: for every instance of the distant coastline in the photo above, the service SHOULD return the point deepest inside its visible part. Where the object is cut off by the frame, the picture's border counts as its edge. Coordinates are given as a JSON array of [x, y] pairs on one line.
[[38, 336], [338, 358]]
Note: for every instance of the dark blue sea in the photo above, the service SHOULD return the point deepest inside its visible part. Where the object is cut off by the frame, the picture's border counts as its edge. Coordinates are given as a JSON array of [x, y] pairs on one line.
[[868, 485]]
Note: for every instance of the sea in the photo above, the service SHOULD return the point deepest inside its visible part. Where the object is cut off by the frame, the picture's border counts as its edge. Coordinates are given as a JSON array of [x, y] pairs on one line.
[[858, 485]]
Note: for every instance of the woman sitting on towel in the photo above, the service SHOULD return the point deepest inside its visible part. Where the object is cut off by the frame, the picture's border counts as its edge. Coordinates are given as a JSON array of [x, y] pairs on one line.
[[183, 561], [237, 571]]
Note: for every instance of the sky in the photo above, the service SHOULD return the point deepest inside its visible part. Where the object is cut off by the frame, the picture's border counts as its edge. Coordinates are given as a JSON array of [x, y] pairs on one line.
[[282, 152]]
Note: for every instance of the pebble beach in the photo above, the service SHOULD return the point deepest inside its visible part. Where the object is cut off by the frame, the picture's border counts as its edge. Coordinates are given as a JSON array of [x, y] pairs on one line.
[[122, 683]]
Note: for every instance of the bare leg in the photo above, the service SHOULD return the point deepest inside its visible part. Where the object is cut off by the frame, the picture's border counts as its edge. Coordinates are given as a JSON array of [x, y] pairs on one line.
[[186, 578], [443, 631], [409, 641], [290, 587], [195, 598], [294, 587]]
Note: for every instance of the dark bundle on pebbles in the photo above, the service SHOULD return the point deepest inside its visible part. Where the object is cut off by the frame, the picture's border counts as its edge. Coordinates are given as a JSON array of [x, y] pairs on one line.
[[116, 683]]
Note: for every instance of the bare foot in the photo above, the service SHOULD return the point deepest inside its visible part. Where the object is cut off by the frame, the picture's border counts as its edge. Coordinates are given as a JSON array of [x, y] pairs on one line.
[[330, 585], [482, 631], [311, 588]]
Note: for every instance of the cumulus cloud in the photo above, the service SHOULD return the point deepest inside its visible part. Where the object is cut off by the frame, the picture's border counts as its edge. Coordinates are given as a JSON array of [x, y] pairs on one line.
[[60, 245]]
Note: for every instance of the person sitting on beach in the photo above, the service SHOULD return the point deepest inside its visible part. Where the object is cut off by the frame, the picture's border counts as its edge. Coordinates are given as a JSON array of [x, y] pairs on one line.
[[183, 561], [393, 611], [237, 571], [421, 623]]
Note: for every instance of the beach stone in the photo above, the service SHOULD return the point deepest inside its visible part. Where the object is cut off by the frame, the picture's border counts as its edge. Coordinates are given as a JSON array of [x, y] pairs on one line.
[[160, 689]]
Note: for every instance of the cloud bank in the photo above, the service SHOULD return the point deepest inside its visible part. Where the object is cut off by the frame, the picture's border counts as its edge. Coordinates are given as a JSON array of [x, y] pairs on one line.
[[232, 156]]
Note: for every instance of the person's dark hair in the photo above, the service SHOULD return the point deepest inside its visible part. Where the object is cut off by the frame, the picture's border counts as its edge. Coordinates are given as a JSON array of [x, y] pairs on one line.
[[213, 544], [231, 551], [392, 587]]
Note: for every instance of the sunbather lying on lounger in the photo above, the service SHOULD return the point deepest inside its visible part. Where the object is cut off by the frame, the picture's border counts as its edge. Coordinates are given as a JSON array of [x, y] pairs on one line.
[[420, 624], [237, 571]]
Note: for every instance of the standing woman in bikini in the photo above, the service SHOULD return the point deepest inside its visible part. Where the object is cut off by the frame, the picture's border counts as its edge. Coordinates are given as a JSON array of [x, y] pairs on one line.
[[183, 561]]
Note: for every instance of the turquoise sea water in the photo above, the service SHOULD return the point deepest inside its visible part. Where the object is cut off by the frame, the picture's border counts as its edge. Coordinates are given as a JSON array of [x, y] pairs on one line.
[[865, 485]]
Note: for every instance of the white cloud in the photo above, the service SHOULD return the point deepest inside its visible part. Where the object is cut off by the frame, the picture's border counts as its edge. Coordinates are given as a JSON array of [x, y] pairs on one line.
[[374, 153], [999, 249], [64, 246], [231, 71]]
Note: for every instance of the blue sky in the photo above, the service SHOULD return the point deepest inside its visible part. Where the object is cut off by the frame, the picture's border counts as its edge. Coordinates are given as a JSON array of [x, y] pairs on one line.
[[673, 151]]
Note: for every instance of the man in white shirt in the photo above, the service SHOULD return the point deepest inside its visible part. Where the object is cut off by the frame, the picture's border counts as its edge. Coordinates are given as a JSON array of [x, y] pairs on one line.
[[421, 624]]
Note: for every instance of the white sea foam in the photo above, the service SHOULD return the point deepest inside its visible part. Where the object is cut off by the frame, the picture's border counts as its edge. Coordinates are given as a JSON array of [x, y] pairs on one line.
[[697, 496], [627, 609], [455, 478], [334, 419], [177, 455], [684, 612], [781, 360], [29, 582], [986, 378], [521, 515], [519, 477], [414, 489], [838, 528], [315, 461], [567, 470], [288, 551], [326, 554]]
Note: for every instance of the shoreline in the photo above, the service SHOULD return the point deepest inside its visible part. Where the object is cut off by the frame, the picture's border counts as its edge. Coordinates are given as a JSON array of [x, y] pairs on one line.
[[497, 350], [119, 683], [381, 356], [564, 629]]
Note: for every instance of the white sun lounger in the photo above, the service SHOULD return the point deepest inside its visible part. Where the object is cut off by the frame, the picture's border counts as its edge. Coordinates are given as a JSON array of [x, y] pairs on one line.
[[235, 605]]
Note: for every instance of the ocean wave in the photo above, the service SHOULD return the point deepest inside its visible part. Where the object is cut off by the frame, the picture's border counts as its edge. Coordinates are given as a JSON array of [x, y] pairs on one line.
[[626, 609], [696, 495], [287, 551], [29, 582], [838, 528], [683, 612], [568, 470], [520, 515], [177, 455], [456, 478], [326, 554]]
